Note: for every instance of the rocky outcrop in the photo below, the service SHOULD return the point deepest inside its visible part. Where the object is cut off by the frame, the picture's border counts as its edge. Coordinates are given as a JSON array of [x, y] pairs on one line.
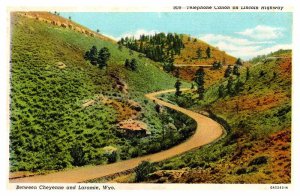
[[133, 128]]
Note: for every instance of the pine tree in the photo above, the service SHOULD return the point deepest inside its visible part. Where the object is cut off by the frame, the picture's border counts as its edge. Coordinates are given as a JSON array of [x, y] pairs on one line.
[[168, 65], [228, 71], [230, 85], [127, 64], [217, 65], [238, 87], [247, 73], [199, 79], [199, 53], [141, 48], [103, 57], [236, 70], [177, 86], [221, 91], [133, 64], [93, 55], [208, 52], [239, 61]]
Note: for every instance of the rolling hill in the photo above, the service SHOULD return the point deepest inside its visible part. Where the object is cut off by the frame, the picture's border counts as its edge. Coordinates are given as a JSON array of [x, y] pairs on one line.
[[188, 56], [66, 112], [257, 118], [257, 148], [183, 51]]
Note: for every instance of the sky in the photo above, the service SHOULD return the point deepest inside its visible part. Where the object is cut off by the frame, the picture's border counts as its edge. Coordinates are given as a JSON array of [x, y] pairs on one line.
[[242, 34]]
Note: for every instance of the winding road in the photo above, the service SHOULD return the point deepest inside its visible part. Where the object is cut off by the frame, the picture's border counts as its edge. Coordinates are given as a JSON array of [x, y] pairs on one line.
[[207, 131]]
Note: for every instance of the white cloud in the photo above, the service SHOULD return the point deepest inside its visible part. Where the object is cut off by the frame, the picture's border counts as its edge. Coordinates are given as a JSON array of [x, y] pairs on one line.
[[248, 53], [237, 47], [136, 34], [262, 32], [273, 49], [240, 47], [215, 38]]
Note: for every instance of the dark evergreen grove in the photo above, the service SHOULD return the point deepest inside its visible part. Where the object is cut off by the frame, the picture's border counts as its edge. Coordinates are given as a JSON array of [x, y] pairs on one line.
[[159, 47], [131, 65], [97, 58]]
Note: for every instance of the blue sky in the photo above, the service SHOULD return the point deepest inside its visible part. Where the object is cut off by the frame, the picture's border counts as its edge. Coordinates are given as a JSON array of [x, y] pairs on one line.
[[242, 34]]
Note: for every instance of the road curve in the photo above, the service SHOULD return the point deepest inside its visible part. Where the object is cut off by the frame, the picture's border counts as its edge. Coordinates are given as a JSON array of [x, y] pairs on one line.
[[207, 131]]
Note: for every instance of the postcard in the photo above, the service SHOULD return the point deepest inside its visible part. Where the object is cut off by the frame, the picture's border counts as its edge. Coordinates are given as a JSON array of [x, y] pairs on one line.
[[172, 97]]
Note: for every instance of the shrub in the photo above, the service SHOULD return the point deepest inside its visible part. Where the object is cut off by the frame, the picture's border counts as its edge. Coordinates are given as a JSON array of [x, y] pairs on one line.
[[259, 161], [195, 164], [77, 154], [241, 171], [134, 152], [143, 170], [112, 157], [154, 147]]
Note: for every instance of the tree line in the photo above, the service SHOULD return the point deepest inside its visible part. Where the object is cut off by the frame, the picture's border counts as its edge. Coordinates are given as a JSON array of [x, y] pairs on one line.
[[159, 47]]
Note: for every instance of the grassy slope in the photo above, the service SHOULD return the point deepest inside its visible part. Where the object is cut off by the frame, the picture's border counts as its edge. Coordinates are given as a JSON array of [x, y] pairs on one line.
[[260, 128], [46, 114], [188, 56], [257, 148]]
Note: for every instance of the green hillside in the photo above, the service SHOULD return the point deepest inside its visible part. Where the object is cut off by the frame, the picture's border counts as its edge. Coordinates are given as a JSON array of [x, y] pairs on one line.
[[257, 148], [64, 110], [256, 113]]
